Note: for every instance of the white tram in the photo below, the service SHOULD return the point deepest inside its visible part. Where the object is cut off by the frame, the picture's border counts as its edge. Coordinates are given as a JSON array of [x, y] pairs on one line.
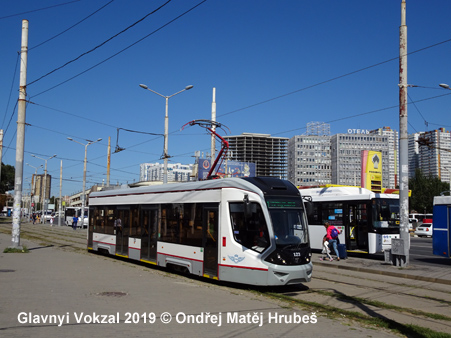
[[245, 230]]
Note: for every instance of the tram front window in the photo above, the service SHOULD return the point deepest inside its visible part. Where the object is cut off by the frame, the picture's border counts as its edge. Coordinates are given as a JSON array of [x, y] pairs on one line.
[[289, 228], [385, 213]]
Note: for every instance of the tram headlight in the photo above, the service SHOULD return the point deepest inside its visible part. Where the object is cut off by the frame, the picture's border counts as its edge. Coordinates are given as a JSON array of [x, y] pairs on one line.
[[276, 258]]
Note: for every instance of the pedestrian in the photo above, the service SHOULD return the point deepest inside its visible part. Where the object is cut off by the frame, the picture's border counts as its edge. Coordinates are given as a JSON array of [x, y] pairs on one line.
[[51, 221], [326, 250], [332, 236], [34, 218], [74, 222]]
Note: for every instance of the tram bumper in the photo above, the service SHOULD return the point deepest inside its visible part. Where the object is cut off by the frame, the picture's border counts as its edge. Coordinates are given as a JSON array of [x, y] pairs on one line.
[[289, 274]]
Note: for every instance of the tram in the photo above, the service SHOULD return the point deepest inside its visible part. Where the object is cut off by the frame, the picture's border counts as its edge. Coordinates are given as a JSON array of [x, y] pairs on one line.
[[367, 221], [244, 230]]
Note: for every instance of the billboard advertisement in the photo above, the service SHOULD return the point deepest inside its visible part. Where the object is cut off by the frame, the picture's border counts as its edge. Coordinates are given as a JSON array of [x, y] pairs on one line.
[[371, 170], [227, 169]]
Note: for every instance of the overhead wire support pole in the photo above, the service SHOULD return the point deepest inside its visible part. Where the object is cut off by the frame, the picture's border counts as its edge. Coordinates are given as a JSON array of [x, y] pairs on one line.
[[400, 248], [20, 142]]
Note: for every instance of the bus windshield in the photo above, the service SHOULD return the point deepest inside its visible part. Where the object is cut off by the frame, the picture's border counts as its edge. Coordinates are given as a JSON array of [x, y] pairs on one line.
[[288, 219], [385, 213]]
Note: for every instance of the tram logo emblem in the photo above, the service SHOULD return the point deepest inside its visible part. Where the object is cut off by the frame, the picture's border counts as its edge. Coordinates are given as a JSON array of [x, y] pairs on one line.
[[236, 259]]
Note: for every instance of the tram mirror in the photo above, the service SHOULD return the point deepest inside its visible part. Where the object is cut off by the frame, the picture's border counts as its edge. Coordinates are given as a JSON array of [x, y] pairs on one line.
[[308, 207], [247, 207]]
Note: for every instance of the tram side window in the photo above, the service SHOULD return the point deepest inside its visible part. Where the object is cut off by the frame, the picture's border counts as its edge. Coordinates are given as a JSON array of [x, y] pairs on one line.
[[135, 229], [97, 221], [252, 231], [182, 223], [109, 220]]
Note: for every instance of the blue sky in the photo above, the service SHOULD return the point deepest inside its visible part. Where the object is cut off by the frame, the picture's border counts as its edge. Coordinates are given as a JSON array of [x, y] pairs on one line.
[[276, 65]]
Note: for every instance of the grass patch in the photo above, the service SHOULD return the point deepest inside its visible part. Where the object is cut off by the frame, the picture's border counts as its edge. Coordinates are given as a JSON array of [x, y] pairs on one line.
[[332, 312], [383, 305], [24, 249]]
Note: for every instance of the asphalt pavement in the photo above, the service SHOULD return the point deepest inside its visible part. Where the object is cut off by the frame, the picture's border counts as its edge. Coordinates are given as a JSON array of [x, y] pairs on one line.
[[53, 292]]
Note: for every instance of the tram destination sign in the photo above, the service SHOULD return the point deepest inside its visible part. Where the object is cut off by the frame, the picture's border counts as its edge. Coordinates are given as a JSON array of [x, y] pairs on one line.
[[283, 203]]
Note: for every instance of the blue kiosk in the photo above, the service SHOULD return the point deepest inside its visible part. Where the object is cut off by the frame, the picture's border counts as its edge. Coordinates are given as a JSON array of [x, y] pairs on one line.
[[441, 238]]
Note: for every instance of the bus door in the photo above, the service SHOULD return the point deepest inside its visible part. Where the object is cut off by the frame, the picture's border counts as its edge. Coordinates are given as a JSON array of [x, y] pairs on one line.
[[122, 228], [357, 227], [149, 232], [210, 241]]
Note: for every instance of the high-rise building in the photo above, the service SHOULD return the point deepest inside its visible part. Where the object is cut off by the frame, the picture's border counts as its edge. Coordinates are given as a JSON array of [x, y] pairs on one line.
[[435, 154], [309, 156], [346, 157], [39, 182], [268, 153], [393, 151], [177, 172]]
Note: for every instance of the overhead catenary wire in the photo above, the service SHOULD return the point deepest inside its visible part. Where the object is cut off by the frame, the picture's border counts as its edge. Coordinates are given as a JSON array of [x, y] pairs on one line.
[[37, 10], [100, 45], [121, 51], [68, 29]]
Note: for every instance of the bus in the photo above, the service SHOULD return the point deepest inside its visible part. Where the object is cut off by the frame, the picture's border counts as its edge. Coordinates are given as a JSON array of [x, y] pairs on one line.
[[70, 212], [367, 221], [244, 230]]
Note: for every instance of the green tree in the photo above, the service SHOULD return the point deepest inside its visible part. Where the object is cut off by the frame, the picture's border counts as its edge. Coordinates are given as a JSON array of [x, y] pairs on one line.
[[7, 179], [424, 188]]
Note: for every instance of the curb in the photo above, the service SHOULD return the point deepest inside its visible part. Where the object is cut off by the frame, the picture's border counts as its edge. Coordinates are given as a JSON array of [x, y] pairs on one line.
[[388, 273]]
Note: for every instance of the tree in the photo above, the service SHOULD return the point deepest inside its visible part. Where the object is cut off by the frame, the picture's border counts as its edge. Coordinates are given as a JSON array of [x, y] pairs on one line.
[[423, 191], [7, 179]]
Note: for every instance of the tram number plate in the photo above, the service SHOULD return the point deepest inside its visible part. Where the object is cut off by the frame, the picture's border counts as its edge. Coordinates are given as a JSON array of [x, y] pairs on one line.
[[296, 254]]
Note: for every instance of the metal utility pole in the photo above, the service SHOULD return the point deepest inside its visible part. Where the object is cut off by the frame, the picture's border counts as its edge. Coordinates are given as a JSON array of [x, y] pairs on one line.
[[60, 205], [213, 126], [401, 247], [20, 142], [108, 162], [1, 151]]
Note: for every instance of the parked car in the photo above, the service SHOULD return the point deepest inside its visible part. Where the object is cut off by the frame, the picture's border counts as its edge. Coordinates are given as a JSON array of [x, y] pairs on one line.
[[424, 229]]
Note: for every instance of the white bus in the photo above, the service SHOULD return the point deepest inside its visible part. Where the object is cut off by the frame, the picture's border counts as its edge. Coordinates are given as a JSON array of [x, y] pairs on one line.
[[367, 221], [245, 230], [69, 214]]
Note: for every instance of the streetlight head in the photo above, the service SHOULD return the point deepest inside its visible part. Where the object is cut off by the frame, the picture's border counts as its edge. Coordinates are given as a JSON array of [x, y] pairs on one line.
[[143, 86], [70, 138], [189, 87], [99, 140], [444, 85]]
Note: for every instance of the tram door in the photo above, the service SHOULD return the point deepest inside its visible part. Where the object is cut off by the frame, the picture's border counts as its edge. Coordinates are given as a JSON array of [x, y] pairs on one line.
[[122, 227], [357, 227], [210, 241], [149, 233]]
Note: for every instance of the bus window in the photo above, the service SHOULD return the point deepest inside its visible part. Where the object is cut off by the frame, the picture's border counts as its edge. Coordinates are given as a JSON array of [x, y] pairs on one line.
[[385, 213]]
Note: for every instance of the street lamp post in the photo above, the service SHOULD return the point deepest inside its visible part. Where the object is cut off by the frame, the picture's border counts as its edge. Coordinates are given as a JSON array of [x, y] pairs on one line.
[[83, 201], [33, 181], [166, 127], [45, 184]]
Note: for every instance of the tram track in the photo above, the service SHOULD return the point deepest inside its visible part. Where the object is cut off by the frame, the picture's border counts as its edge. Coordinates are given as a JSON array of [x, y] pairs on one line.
[[400, 304]]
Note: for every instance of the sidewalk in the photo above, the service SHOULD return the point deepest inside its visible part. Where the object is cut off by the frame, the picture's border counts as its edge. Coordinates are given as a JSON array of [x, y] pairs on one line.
[[51, 280], [52, 292], [426, 273]]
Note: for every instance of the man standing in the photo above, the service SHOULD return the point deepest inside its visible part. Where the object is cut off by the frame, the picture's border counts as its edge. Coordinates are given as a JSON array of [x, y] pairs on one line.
[[74, 222]]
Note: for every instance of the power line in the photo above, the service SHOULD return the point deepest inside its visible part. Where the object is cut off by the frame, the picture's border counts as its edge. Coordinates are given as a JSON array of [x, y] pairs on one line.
[[121, 51], [100, 45], [66, 30], [37, 10]]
